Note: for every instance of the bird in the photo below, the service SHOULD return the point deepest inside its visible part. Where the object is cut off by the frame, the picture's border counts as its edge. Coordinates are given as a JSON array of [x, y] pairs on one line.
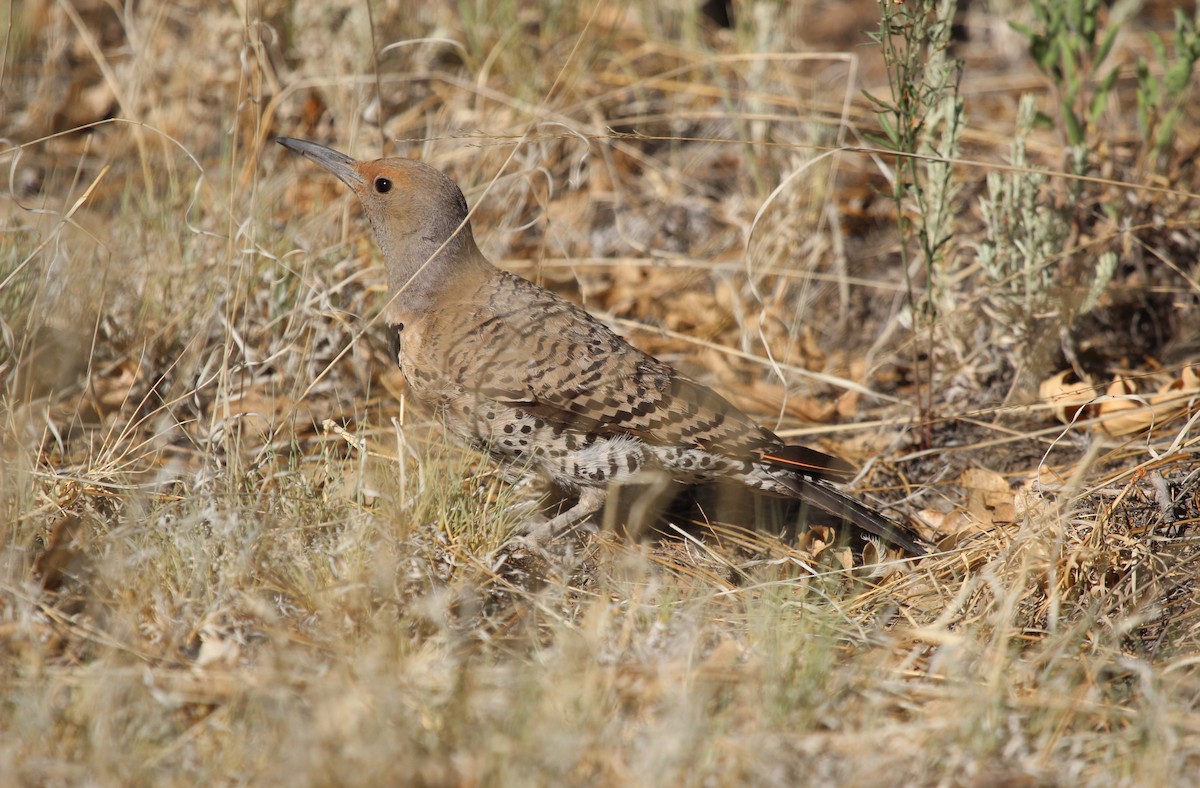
[[545, 388]]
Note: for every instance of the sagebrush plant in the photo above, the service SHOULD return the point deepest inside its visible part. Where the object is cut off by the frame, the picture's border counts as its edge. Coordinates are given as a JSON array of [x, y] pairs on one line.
[[1161, 101], [922, 121], [1071, 44], [1022, 239], [233, 552], [1023, 252]]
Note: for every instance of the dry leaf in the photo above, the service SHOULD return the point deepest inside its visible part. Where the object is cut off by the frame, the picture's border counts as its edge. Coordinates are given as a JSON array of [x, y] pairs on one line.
[[62, 556], [115, 389], [947, 528], [259, 413], [816, 540], [1122, 413], [1179, 392], [989, 497], [847, 404], [219, 642], [723, 658], [1066, 398], [865, 444], [1190, 377]]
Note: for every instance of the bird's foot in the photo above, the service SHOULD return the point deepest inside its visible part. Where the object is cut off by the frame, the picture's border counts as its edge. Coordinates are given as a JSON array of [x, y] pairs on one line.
[[538, 535]]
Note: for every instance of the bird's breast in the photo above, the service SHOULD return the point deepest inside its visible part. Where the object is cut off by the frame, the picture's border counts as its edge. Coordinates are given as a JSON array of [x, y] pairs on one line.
[[410, 348]]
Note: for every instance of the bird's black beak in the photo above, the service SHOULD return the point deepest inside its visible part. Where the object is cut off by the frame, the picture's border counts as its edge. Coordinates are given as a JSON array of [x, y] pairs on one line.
[[337, 163]]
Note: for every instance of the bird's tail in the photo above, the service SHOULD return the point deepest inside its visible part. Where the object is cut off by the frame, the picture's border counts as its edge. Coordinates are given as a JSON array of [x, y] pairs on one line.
[[832, 500], [803, 471]]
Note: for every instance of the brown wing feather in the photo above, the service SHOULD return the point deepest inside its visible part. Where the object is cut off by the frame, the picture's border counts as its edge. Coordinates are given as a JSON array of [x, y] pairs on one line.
[[809, 462], [584, 376]]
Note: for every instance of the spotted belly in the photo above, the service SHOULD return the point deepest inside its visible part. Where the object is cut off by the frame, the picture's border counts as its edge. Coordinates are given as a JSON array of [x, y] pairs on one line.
[[569, 458], [575, 459]]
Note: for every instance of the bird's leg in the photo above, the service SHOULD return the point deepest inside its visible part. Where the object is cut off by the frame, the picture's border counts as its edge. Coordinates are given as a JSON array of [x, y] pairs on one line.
[[537, 535], [591, 499]]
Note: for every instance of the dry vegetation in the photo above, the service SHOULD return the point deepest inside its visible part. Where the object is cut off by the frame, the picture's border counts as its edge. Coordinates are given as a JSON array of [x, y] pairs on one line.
[[230, 551]]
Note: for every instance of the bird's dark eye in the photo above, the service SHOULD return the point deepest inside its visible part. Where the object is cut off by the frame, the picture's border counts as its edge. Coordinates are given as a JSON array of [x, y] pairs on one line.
[[383, 185]]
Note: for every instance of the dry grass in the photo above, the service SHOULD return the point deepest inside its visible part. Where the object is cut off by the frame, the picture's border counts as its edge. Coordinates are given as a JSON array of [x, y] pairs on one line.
[[233, 553]]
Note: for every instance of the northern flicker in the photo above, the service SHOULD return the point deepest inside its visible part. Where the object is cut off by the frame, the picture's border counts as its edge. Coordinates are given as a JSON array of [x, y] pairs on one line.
[[542, 386]]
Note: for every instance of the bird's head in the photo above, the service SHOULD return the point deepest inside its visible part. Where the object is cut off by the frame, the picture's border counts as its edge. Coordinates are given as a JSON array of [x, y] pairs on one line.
[[414, 209]]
